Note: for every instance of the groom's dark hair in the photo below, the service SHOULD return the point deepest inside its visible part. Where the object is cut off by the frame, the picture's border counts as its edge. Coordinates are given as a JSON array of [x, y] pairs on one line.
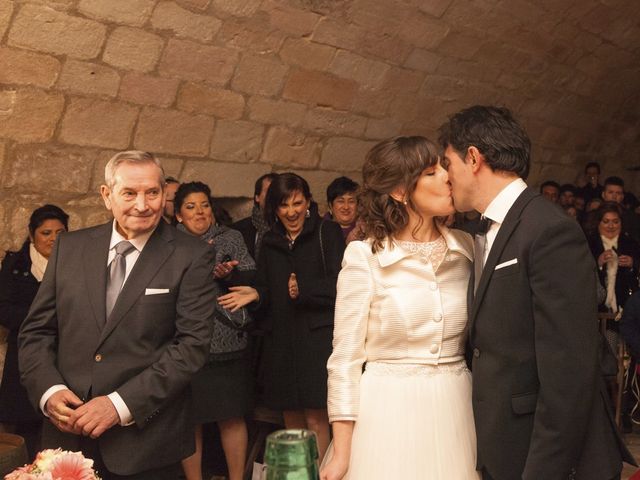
[[494, 132]]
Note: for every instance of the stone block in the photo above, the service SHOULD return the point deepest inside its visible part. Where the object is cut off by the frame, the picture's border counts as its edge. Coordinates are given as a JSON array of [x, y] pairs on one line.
[[306, 54], [337, 34], [28, 115], [27, 68], [326, 121], [148, 90], [237, 141], [41, 28], [251, 34], [88, 78], [294, 21], [50, 168], [128, 12], [435, 8], [368, 73], [246, 8], [275, 112], [194, 61], [422, 60], [60, 5], [390, 48], [285, 148], [170, 16], [98, 123], [3, 146], [343, 153], [6, 9], [170, 131], [225, 179], [133, 49], [371, 102], [319, 88], [201, 5], [381, 128], [259, 75], [221, 103], [387, 16], [423, 31], [402, 80], [460, 45]]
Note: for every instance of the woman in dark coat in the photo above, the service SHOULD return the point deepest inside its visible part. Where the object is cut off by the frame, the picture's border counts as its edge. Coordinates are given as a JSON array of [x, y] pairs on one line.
[[296, 290], [20, 279], [612, 248]]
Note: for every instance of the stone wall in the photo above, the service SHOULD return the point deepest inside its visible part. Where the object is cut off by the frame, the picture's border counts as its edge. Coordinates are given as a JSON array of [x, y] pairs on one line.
[[226, 90]]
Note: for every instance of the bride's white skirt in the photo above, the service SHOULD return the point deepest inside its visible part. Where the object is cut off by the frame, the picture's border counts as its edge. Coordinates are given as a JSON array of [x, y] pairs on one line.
[[415, 423]]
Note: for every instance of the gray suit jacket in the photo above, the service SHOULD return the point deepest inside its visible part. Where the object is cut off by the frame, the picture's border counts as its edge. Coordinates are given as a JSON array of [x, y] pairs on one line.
[[538, 394], [147, 351]]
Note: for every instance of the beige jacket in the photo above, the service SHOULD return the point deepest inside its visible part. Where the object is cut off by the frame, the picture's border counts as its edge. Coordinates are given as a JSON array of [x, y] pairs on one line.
[[392, 307]]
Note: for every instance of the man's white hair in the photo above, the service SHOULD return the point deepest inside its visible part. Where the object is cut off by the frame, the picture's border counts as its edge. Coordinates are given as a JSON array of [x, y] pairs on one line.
[[130, 156]]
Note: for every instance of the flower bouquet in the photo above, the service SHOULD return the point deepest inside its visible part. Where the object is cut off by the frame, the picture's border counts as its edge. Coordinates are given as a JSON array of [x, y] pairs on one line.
[[56, 465]]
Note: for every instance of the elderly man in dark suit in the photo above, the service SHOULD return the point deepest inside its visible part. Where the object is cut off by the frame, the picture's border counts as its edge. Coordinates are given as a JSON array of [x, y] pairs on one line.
[[119, 325], [539, 400]]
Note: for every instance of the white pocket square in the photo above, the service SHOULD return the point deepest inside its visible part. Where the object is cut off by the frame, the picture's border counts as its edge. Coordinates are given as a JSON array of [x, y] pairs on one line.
[[506, 264], [155, 291]]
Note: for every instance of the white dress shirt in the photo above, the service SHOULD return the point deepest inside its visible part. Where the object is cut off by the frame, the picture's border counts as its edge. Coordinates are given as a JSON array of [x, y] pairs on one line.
[[498, 208], [131, 258]]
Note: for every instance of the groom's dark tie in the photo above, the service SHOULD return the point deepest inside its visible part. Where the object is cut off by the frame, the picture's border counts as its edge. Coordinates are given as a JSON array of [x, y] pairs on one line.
[[480, 246], [117, 271]]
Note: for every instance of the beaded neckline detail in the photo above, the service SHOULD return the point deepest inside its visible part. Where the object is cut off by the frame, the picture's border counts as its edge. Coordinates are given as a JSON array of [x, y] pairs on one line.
[[434, 251]]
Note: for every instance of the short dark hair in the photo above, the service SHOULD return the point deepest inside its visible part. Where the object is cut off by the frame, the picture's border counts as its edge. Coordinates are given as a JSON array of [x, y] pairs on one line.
[[186, 189], [340, 186], [550, 183], [47, 212], [257, 189], [608, 207], [494, 132], [169, 179], [591, 164], [567, 187], [613, 180], [281, 188]]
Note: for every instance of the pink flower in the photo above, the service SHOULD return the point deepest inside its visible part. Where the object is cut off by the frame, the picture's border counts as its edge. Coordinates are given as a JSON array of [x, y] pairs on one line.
[[71, 466]]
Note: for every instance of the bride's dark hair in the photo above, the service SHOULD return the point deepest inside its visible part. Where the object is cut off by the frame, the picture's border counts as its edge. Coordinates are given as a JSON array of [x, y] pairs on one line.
[[389, 165]]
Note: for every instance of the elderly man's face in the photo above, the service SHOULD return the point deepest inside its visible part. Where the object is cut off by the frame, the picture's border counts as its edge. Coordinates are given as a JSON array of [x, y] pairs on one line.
[[136, 199]]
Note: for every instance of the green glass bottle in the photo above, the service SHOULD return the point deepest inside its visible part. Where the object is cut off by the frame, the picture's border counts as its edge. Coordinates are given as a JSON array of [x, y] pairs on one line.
[[292, 455]]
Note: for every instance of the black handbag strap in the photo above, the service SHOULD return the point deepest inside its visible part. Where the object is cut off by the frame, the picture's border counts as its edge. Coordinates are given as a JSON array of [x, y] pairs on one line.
[[324, 263]]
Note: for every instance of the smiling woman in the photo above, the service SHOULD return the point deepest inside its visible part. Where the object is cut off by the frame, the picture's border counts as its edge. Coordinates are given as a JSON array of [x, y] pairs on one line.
[[20, 279]]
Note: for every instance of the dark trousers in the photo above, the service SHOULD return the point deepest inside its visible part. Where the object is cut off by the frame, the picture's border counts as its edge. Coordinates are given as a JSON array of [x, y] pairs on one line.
[[90, 450], [486, 476]]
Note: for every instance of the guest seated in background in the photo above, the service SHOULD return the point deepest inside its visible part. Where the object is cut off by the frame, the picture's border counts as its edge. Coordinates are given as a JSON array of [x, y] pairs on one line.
[[254, 227], [591, 187], [222, 389], [617, 256], [550, 190], [342, 201], [296, 291], [170, 188], [20, 278], [614, 192], [567, 195]]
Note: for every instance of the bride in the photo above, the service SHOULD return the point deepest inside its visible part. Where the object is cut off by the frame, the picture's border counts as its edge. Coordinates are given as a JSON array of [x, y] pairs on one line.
[[401, 314]]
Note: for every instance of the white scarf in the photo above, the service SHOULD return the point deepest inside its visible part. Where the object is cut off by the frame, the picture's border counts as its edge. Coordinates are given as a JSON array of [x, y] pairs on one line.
[[38, 263], [612, 272]]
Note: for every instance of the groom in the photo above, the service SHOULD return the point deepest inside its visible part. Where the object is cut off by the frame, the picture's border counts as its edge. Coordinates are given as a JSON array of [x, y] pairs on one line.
[[539, 401]]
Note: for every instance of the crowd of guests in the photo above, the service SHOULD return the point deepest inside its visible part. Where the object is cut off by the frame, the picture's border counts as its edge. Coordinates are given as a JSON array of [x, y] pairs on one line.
[[275, 274]]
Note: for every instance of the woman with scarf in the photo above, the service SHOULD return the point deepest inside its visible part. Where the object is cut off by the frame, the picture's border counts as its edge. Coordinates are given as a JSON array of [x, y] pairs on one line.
[[222, 390], [617, 255], [20, 278], [295, 291]]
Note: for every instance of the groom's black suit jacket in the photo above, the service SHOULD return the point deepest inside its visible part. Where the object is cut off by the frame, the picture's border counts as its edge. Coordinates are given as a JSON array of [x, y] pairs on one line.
[[152, 344], [539, 399]]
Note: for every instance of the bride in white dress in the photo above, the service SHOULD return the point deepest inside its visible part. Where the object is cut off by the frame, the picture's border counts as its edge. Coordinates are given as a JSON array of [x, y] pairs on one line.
[[401, 316]]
